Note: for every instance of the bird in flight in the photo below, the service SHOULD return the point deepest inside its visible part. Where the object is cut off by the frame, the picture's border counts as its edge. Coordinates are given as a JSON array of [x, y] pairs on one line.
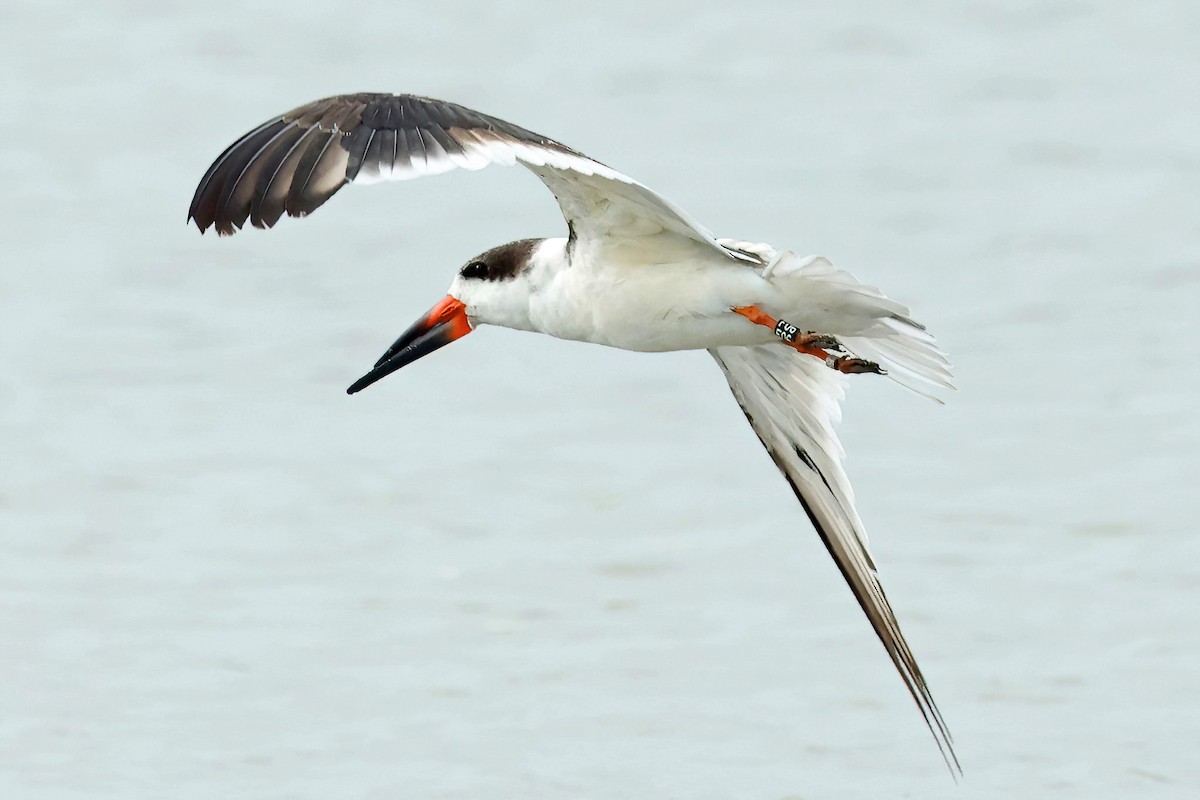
[[635, 272]]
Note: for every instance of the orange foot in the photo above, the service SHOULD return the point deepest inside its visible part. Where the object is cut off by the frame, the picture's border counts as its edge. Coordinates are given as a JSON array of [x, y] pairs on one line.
[[817, 345]]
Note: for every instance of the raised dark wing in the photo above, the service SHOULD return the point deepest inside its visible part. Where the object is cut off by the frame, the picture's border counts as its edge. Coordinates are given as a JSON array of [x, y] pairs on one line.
[[295, 162], [792, 403]]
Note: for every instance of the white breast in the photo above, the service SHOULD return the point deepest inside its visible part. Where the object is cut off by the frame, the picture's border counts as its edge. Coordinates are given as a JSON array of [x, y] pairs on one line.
[[680, 304]]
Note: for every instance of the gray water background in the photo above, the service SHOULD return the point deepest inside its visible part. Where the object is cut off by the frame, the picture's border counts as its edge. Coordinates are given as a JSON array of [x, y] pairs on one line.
[[527, 568]]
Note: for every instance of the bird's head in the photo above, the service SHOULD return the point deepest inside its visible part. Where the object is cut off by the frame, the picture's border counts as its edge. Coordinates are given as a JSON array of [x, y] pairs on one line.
[[493, 288]]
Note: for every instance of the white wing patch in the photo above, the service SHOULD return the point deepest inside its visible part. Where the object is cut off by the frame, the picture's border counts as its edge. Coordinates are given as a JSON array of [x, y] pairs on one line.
[[598, 202], [792, 402]]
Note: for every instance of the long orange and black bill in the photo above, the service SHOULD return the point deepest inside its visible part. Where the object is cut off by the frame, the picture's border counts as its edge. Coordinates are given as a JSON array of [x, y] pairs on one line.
[[444, 323]]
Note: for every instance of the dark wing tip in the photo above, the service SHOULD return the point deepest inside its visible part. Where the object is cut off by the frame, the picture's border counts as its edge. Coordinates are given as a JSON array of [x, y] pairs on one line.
[[294, 162]]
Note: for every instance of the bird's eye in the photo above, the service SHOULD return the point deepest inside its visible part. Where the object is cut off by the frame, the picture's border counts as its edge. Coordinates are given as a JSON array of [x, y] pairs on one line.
[[476, 269]]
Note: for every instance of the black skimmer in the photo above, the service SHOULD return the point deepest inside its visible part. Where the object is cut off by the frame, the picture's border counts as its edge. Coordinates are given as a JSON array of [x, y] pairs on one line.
[[634, 272]]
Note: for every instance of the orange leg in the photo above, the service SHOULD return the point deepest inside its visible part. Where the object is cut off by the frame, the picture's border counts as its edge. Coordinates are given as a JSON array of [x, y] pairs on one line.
[[813, 344]]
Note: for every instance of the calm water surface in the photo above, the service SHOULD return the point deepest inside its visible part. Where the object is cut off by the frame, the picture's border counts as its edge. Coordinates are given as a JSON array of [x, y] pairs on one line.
[[528, 568]]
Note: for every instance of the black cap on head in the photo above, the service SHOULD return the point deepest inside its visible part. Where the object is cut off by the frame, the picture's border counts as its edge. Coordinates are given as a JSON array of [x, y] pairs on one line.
[[500, 263]]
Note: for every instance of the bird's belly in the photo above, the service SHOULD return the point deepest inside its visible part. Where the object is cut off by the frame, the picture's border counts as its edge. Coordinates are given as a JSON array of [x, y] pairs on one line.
[[660, 334], [657, 308]]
